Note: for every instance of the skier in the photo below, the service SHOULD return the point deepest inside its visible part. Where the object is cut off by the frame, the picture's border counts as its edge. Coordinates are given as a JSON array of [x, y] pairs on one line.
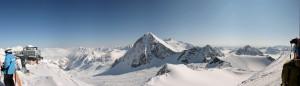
[[291, 70], [8, 68]]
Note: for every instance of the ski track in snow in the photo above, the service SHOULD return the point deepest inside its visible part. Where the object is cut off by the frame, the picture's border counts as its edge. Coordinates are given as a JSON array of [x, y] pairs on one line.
[[271, 75]]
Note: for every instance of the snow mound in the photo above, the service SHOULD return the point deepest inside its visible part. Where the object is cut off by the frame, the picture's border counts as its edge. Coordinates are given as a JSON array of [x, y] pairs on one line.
[[248, 50], [45, 79], [250, 63], [48, 74], [180, 75]]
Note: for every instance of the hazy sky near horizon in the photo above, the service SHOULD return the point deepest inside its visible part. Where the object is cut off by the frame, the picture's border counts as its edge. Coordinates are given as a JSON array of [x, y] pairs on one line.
[[111, 23]]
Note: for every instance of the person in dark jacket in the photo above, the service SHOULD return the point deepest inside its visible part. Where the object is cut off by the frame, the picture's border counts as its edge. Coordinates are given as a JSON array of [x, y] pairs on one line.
[[9, 68], [291, 70]]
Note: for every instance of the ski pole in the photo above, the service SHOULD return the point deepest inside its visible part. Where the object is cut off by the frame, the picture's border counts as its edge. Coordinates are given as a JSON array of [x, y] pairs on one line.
[[291, 51], [15, 78]]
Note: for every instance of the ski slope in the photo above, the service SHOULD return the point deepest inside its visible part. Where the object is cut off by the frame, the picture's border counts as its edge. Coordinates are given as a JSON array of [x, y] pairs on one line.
[[250, 63], [47, 74], [180, 75], [271, 75], [136, 78]]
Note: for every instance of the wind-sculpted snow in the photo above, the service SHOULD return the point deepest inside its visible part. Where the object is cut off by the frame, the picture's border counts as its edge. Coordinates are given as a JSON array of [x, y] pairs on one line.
[[180, 75], [48, 74], [249, 63]]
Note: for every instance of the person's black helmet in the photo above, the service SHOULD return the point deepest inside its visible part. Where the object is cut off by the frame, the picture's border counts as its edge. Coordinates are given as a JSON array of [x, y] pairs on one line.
[[295, 41], [8, 51]]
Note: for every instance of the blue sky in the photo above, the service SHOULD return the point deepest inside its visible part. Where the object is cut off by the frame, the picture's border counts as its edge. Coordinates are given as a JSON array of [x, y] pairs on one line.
[[110, 23]]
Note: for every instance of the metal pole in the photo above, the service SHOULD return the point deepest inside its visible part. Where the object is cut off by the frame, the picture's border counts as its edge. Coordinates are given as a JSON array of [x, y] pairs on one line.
[[298, 42]]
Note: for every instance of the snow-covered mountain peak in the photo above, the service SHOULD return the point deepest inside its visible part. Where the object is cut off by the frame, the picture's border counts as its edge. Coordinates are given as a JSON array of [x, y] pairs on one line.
[[248, 50], [149, 38], [146, 51], [247, 46], [206, 54], [149, 34], [208, 48]]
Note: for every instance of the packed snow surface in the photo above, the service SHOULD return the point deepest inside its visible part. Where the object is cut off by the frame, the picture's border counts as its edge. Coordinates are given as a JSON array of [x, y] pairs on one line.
[[245, 62], [180, 75], [47, 74], [271, 75]]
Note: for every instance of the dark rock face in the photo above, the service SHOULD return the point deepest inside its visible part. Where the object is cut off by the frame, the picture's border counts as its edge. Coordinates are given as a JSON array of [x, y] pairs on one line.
[[163, 70], [248, 50], [216, 62], [270, 58], [205, 54], [200, 55], [141, 61]]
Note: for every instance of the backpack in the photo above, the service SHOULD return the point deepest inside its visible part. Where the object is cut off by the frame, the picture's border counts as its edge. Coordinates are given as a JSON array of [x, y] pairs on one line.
[[291, 73]]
